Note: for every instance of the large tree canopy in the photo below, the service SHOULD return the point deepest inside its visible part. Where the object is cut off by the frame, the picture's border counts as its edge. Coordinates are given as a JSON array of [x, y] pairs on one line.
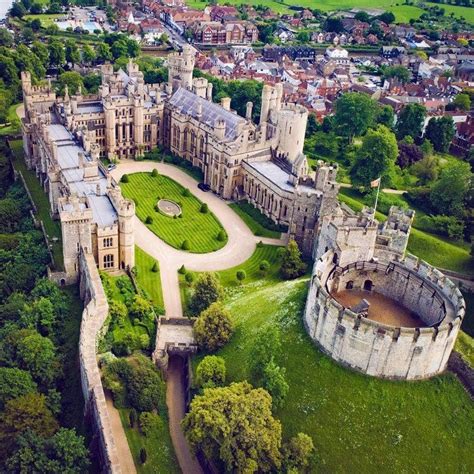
[[410, 122], [354, 114], [235, 424], [375, 158], [440, 132]]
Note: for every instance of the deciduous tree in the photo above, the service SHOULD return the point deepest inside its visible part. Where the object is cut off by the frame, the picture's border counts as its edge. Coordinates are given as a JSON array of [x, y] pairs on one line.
[[210, 372], [213, 328], [207, 290], [410, 121], [440, 132], [292, 266], [235, 424]]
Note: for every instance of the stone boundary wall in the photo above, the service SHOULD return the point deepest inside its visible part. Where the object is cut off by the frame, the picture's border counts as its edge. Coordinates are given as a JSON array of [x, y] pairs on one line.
[[374, 348], [94, 315]]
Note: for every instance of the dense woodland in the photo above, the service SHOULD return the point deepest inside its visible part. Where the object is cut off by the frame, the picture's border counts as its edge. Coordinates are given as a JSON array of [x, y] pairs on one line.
[[40, 395]]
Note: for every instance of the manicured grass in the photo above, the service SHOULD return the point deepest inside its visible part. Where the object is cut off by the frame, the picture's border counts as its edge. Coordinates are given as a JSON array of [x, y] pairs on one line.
[[433, 249], [148, 280], [199, 229], [357, 423], [161, 458], [14, 125], [53, 228], [257, 222], [465, 346], [45, 18]]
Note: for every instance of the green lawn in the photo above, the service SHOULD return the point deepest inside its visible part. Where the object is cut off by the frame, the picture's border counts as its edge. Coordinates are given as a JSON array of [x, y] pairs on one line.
[[45, 18], [53, 228], [433, 249], [199, 229], [258, 223], [161, 458], [148, 280], [357, 423], [403, 13], [466, 12], [14, 125]]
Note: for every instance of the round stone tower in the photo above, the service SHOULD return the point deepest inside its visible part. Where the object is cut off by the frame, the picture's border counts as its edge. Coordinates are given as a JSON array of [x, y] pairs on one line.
[[126, 216], [292, 120], [180, 68]]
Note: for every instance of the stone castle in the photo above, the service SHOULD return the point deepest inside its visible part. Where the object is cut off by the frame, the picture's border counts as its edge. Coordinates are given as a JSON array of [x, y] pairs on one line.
[[355, 256], [262, 163]]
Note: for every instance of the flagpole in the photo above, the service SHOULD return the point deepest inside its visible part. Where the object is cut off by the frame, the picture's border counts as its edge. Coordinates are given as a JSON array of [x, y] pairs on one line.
[[377, 196]]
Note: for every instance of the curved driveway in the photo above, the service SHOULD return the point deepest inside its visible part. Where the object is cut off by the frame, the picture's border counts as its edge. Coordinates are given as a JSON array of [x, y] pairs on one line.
[[240, 245]]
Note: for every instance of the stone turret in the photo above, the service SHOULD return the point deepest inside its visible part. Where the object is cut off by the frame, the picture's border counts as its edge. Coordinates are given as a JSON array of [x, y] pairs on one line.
[[180, 69], [292, 120]]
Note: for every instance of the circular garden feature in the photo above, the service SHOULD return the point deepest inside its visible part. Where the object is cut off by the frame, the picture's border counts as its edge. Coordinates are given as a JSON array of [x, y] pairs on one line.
[[173, 213], [169, 208]]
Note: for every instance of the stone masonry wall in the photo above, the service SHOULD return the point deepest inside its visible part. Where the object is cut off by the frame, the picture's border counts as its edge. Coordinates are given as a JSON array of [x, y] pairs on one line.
[[93, 319], [377, 349]]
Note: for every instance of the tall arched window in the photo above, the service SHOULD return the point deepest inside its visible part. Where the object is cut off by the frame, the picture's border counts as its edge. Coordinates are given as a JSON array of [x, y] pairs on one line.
[[108, 261]]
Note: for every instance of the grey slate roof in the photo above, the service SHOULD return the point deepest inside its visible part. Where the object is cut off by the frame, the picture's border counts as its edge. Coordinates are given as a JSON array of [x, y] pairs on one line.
[[187, 102]]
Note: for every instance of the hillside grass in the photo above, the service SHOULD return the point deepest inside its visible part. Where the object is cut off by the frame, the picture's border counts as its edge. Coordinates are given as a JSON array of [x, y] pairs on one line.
[[357, 423], [161, 458], [402, 13], [13, 125], [466, 12], [40, 198], [46, 19], [199, 229], [148, 280], [256, 222]]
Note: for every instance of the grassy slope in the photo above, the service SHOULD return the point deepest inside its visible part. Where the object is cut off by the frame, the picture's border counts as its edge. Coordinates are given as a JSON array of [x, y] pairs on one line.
[[161, 458], [256, 227], [358, 424], [199, 229], [431, 248], [467, 13], [147, 279], [53, 228], [14, 125], [45, 18], [403, 13]]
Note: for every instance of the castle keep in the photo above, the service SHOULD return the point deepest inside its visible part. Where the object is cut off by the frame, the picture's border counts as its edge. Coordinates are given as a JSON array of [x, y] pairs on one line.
[[374, 310], [262, 163]]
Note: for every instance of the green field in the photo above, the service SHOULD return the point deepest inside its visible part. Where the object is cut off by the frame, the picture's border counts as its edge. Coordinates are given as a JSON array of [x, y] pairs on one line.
[[148, 280], [467, 13], [199, 229], [259, 224], [53, 228], [161, 458], [357, 423], [403, 13], [46, 19]]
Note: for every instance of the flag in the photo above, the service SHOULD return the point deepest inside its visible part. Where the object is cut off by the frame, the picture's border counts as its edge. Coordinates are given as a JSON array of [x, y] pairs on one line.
[[375, 183]]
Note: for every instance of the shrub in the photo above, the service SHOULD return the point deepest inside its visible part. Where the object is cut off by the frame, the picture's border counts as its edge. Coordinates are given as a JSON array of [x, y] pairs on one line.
[[132, 417], [207, 290], [143, 455], [240, 275], [155, 268], [185, 245], [125, 179], [297, 452], [449, 226], [149, 220], [204, 208], [156, 207], [149, 421], [264, 266], [213, 328], [275, 383], [221, 236], [144, 341], [182, 270], [189, 277], [186, 192], [210, 372], [121, 348], [141, 308], [292, 266], [154, 173], [266, 347]]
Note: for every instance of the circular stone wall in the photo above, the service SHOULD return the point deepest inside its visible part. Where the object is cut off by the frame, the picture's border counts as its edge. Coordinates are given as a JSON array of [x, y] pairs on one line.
[[169, 208], [370, 346]]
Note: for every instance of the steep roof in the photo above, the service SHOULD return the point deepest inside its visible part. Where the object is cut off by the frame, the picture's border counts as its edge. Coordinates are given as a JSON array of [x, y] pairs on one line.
[[188, 103]]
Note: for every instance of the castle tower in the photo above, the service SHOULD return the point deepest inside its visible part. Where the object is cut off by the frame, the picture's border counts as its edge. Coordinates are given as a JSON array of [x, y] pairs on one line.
[[292, 120], [126, 213], [395, 231], [180, 69], [110, 138], [138, 125], [76, 218]]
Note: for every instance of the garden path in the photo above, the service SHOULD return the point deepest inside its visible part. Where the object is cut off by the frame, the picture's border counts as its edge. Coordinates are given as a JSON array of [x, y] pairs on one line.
[[240, 246]]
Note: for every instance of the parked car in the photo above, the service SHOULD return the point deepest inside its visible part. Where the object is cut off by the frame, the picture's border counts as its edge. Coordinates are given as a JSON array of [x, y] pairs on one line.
[[111, 167], [204, 187]]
